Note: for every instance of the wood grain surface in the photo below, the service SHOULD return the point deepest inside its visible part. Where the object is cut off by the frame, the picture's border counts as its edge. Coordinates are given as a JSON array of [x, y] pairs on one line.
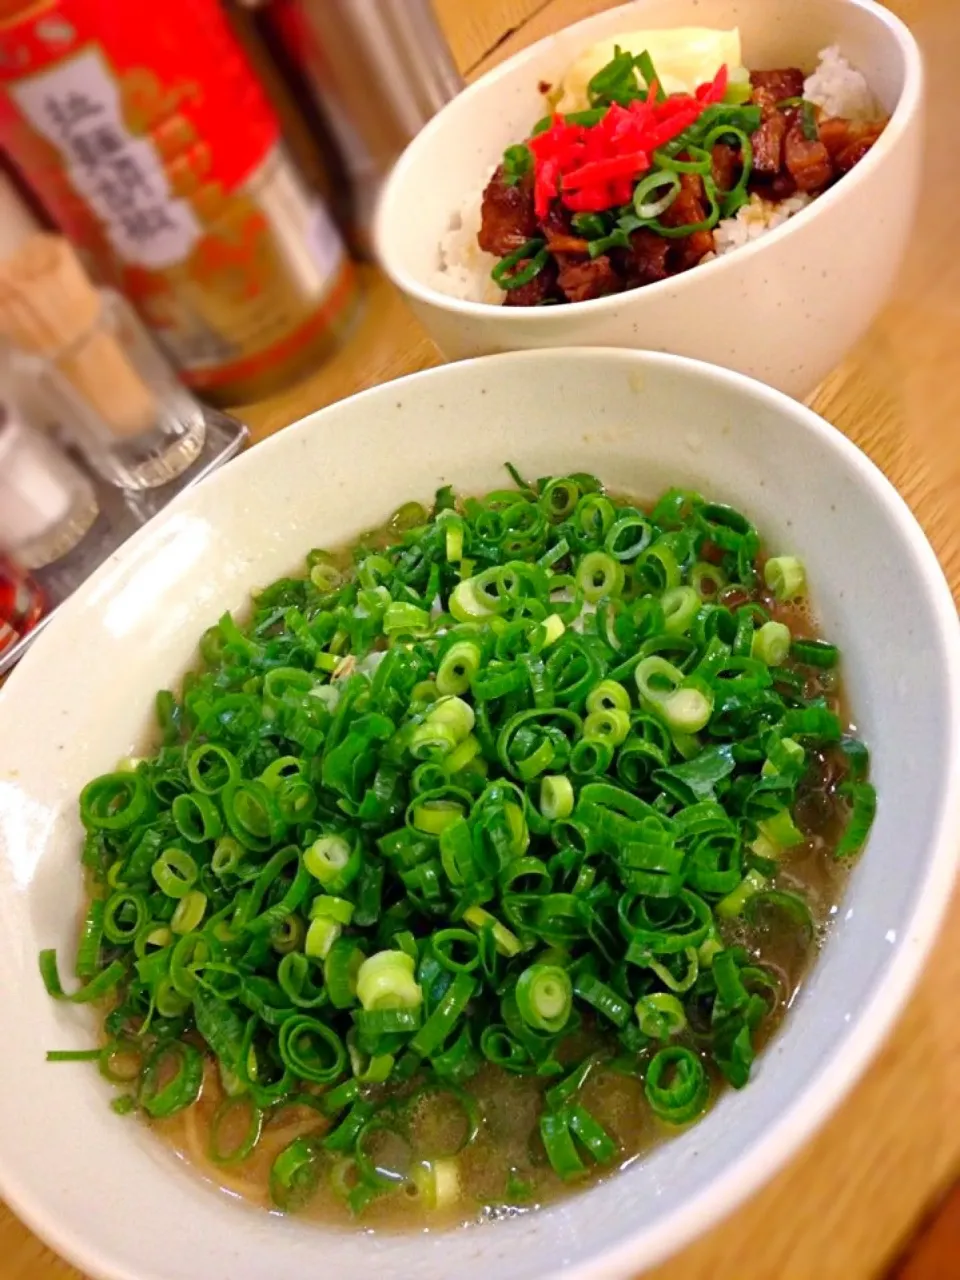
[[848, 1207]]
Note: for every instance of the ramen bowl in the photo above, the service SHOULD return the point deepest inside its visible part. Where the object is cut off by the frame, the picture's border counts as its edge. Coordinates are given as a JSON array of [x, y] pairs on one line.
[[785, 307], [104, 1190]]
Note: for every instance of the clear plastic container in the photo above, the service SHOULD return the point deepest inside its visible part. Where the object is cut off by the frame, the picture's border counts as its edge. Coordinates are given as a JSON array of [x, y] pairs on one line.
[[47, 506], [114, 394]]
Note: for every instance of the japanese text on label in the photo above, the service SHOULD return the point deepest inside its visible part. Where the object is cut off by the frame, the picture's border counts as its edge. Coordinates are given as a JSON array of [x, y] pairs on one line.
[[76, 105]]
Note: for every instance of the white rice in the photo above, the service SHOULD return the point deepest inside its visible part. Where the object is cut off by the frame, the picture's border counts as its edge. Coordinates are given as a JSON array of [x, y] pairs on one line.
[[840, 89], [752, 221], [464, 268], [835, 86]]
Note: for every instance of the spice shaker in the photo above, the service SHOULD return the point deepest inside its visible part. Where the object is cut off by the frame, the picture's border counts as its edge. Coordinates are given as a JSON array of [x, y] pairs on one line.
[[47, 505], [101, 376], [380, 69], [149, 139]]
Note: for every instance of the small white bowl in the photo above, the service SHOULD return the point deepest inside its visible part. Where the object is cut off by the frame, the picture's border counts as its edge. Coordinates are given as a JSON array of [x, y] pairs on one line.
[[103, 1191], [785, 308]]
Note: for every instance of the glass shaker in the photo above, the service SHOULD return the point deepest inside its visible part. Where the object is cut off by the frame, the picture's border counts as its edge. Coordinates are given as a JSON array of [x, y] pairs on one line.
[[99, 373], [47, 505]]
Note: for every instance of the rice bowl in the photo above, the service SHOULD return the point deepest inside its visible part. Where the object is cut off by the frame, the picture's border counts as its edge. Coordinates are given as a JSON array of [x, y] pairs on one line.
[[793, 301]]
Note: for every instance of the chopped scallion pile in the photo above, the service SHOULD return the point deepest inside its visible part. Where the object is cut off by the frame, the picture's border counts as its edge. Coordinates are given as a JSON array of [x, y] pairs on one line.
[[521, 766]]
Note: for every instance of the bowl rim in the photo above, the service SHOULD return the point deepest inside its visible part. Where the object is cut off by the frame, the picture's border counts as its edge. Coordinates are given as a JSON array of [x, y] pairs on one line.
[[907, 108], [805, 1113]]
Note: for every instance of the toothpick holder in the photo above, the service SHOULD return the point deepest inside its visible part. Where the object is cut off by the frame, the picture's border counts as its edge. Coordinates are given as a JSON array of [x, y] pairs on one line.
[[113, 393]]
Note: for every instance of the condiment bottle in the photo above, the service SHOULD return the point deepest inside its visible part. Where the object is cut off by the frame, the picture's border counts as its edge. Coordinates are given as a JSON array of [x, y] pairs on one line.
[[47, 505], [105, 381], [147, 136], [380, 69], [21, 605]]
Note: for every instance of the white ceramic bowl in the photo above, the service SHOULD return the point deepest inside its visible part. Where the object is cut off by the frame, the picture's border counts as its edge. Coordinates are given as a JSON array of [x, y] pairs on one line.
[[102, 1190], [785, 309]]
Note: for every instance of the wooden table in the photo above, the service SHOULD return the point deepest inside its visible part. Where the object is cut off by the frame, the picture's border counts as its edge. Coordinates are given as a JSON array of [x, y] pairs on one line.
[[846, 1208]]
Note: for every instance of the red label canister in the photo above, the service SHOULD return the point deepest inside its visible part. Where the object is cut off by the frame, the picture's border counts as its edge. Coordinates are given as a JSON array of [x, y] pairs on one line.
[[145, 132]]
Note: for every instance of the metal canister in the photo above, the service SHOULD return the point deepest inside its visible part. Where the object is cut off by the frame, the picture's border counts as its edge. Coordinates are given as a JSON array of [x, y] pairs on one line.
[[379, 69], [149, 139]]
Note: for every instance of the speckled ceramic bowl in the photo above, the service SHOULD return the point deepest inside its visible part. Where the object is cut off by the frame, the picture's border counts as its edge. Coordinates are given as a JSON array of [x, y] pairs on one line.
[[103, 1190], [785, 308]]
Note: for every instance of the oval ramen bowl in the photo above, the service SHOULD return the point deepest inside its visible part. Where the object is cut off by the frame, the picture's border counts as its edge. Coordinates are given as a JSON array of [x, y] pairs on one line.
[[785, 308], [103, 1190]]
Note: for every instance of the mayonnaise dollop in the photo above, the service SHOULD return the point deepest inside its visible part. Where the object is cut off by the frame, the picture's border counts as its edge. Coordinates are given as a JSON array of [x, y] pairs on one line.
[[683, 57]]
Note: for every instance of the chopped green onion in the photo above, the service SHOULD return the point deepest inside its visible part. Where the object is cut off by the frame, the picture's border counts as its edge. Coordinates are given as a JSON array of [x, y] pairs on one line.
[[676, 1085], [386, 981], [611, 726], [680, 607], [189, 913], [460, 663], [457, 715], [507, 943], [815, 653], [808, 121], [556, 797], [326, 906], [863, 797], [334, 861], [592, 1135], [437, 1183], [175, 873], [508, 787], [608, 695], [589, 225], [707, 580], [771, 643], [786, 578], [322, 933], [224, 1119], [599, 575], [655, 193], [533, 252], [732, 905], [517, 161], [739, 88], [559, 1145], [647, 70], [177, 1092], [341, 967], [661, 1016], [295, 1175], [545, 997], [311, 1050]]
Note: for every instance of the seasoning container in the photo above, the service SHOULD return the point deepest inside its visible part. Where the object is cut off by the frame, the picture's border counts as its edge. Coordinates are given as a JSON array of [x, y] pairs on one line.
[[147, 136], [47, 505], [102, 378], [21, 605], [306, 133], [380, 69]]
